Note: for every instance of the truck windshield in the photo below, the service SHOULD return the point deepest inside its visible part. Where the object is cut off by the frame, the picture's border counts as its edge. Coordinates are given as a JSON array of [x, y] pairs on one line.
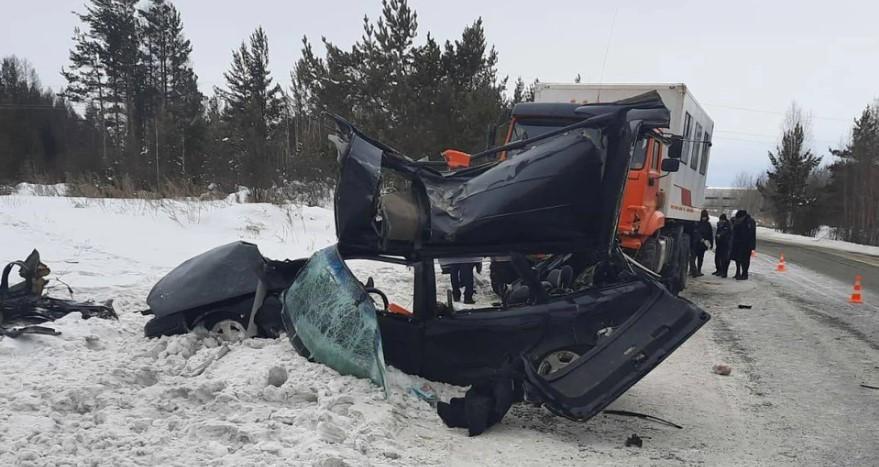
[[523, 129]]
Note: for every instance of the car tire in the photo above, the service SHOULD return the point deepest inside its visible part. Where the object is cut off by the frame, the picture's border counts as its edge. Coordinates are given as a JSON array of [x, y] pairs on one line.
[[218, 321]]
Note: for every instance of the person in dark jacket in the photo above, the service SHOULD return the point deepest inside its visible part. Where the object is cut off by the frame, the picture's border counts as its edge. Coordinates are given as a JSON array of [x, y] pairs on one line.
[[461, 272], [744, 241], [703, 239], [722, 244]]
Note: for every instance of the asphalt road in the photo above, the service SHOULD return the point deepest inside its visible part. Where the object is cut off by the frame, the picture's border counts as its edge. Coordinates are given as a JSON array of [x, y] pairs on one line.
[[839, 265]]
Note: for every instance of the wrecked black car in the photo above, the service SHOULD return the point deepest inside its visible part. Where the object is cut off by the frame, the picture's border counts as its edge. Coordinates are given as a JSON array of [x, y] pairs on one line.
[[231, 290], [24, 305], [577, 327]]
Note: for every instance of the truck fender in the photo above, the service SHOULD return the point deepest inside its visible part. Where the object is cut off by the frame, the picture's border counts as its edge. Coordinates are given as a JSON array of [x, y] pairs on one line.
[[653, 223]]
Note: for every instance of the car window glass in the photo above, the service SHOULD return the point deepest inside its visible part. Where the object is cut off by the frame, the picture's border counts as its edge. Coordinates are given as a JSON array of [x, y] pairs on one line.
[[330, 312]]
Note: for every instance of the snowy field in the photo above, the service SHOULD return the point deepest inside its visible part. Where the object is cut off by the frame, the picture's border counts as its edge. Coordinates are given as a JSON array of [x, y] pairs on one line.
[[102, 394]]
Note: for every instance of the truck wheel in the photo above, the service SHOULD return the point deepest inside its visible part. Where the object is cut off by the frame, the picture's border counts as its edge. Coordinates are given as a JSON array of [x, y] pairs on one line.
[[674, 273], [649, 254], [683, 262]]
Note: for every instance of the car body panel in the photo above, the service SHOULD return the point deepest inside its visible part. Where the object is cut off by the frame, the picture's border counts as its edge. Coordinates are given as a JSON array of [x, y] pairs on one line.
[[219, 274], [619, 360]]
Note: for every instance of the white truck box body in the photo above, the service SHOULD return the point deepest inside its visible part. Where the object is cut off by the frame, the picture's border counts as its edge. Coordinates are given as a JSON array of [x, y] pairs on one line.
[[683, 191]]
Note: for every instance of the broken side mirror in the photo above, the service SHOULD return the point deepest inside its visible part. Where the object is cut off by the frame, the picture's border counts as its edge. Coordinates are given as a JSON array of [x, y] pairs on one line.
[[671, 165], [675, 148]]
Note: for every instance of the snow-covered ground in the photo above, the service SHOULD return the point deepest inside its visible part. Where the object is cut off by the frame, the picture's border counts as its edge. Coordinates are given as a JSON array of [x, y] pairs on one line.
[[102, 394]]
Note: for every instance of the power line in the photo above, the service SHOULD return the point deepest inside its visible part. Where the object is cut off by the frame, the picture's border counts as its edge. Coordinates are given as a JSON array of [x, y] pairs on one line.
[[774, 139], [772, 112]]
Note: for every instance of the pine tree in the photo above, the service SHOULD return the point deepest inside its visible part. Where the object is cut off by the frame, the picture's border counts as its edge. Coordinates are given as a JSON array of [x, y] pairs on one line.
[[254, 106], [792, 164], [854, 186], [103, 69], [478, 101], [41, 136], [519, 91], [173, 104]]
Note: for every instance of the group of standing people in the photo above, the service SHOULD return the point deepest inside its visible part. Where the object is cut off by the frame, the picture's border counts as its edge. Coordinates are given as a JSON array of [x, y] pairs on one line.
[[732, 241]]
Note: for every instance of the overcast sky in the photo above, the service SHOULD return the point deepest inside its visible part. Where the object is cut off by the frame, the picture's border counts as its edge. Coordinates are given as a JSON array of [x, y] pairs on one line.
[[745, 61]]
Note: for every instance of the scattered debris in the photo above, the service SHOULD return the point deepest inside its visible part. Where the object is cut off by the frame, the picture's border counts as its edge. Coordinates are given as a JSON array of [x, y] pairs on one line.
[[424, 392], [722, 369], [626, 413], [869, 387], [481, 407], [634, 440], [23, 306], [204, 366], [745, 307]]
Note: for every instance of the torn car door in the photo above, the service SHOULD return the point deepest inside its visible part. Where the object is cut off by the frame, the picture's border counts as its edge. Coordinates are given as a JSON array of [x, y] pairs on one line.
[[620, 359]]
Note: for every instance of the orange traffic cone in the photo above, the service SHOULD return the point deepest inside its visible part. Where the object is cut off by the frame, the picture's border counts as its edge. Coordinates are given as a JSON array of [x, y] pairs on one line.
[[856, 291], [781, 267]]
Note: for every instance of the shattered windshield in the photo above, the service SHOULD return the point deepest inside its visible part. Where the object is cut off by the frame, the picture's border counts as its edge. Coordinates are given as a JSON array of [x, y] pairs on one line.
[[330, 312]]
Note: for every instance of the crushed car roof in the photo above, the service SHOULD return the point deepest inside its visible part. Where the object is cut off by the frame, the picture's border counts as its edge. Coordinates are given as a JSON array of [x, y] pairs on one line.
[[561, 193]]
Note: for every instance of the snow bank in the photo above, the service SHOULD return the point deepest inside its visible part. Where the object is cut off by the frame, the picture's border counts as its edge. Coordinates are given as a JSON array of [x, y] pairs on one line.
[[102, 394], [34, 189], [821, 239]]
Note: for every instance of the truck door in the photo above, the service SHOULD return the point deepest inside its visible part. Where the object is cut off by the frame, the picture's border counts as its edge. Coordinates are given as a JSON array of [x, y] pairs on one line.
[[651, 193], [641, 194]]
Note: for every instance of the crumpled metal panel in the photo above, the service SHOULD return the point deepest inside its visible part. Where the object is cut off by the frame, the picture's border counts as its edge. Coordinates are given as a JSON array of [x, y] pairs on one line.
[[224, 272], [328, 309], [550, 192], [561, 191]]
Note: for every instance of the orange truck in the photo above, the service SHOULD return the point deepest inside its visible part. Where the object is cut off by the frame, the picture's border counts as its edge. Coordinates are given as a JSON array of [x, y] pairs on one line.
[[662, 200]]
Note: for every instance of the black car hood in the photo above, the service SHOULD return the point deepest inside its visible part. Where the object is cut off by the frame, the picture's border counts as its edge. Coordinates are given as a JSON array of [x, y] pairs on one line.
[[560, 193], [225, 272]]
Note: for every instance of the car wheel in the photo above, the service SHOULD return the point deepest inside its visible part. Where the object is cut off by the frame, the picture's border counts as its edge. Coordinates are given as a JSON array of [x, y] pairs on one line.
[[555, 361], [225, 325], [229, 329]]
